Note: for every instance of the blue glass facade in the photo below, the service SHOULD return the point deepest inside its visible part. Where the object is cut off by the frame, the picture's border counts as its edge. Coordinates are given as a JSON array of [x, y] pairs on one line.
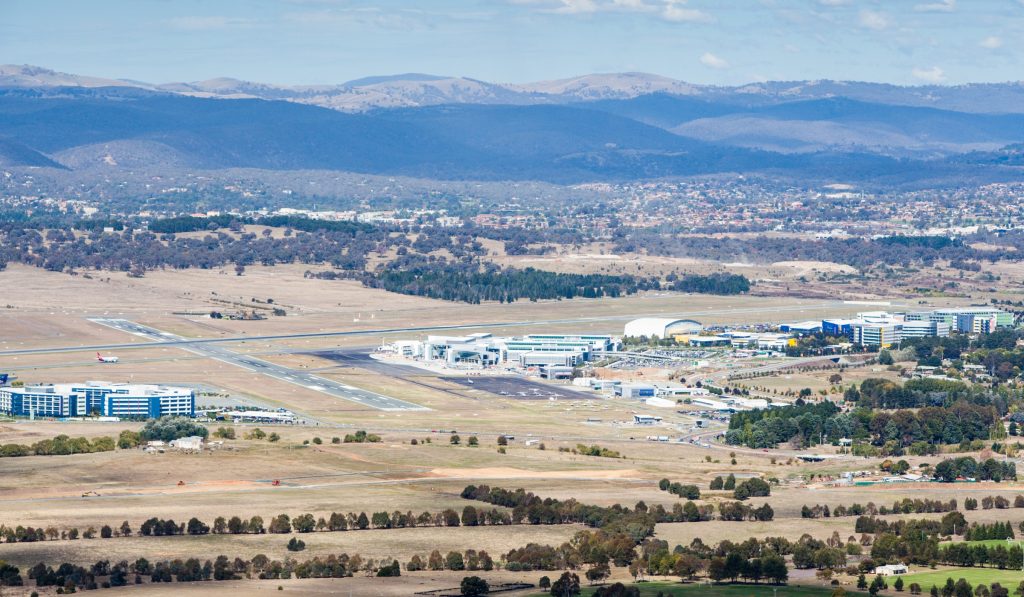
[[109, 400]]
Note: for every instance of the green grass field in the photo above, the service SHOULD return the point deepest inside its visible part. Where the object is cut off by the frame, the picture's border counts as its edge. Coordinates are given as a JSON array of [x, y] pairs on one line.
[[987, 576], [989, 543], [651, 589]]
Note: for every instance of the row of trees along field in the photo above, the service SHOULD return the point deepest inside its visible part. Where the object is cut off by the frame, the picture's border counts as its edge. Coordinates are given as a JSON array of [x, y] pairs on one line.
[[163, 429]]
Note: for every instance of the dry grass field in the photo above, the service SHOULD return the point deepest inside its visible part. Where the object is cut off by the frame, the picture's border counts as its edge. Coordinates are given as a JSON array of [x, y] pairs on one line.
[[394, 474]]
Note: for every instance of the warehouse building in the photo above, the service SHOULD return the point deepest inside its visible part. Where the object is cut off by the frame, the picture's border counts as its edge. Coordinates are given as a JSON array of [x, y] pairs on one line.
[[660, 327], [97, 397]]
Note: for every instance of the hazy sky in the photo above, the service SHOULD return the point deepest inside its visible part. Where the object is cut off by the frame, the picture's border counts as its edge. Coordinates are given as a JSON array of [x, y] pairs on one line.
[[704, 41]]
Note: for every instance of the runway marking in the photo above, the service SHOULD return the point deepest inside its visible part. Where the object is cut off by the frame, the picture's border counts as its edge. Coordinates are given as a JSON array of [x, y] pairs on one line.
[[272, 370]]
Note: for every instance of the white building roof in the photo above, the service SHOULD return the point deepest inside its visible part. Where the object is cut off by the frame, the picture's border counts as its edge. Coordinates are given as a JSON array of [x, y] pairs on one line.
[[661, 326]]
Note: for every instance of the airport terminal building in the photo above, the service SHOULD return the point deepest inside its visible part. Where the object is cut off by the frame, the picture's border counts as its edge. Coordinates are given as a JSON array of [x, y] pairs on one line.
[[535, 350], [97, 397]]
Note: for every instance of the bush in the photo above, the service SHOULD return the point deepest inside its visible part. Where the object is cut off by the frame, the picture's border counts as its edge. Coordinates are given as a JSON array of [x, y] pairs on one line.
[[752, 488], [225, 433], [473, 586], [392, 569], [171, 428]]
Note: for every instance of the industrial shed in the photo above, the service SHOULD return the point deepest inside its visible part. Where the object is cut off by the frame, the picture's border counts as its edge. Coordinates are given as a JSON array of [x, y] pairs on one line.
[[662, 327]]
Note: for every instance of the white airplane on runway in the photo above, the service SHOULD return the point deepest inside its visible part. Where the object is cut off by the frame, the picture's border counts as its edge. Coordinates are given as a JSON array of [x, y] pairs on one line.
[[104, 359]]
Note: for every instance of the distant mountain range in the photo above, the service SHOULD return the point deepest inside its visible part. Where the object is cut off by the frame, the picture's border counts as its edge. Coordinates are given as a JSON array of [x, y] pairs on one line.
[[594, 127]]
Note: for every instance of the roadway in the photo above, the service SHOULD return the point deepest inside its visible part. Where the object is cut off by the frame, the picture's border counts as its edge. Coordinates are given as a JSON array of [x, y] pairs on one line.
[[286, 374], [170, 340]]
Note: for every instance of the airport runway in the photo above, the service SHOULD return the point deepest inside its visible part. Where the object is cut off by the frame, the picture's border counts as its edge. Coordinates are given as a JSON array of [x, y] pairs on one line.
[[179, 341], [286, 374]]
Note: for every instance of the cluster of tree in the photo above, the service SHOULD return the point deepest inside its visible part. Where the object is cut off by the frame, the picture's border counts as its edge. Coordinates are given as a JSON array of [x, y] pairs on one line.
[[876, 393], [771, 568], [471, 283], [953, 523], [10, 576], [994, 501], [905, 506], [965, 467], [157, 527], [169, 428], [195, 224], [753, 487], [341, 244], [616, 589], [858, 252], [60, 445], [596, 450], [593, 548], [802, 423], [717, 283], [738, 511], [690, 492], [918, 430], [360, 437], [727, 484], [983, 532], [752, 560], [235, 222], [526, 507], [471, 560]]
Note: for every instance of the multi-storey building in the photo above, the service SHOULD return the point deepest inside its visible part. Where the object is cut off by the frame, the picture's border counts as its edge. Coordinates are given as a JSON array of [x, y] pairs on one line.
[[95, 397]]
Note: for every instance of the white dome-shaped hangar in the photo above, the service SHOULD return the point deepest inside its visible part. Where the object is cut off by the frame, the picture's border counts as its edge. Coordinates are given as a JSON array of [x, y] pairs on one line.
[[662, 327]]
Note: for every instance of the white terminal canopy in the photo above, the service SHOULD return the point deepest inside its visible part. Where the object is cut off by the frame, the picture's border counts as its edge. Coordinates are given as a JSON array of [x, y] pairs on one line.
[[662, 327]]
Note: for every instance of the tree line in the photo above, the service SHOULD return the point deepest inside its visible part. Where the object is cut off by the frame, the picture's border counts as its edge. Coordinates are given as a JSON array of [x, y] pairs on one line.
[[905, 506], [987, 531], [473, 283], [61, 445]]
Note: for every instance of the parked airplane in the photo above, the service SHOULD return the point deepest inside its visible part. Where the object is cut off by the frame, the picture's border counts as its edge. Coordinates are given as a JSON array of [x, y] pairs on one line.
[[104, 359]]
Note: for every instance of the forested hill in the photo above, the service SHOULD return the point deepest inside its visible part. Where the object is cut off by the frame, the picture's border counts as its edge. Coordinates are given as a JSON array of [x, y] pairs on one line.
[[100, 130]]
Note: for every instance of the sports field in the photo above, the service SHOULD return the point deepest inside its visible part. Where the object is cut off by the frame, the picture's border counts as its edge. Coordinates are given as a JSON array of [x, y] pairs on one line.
[[975, 576]]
